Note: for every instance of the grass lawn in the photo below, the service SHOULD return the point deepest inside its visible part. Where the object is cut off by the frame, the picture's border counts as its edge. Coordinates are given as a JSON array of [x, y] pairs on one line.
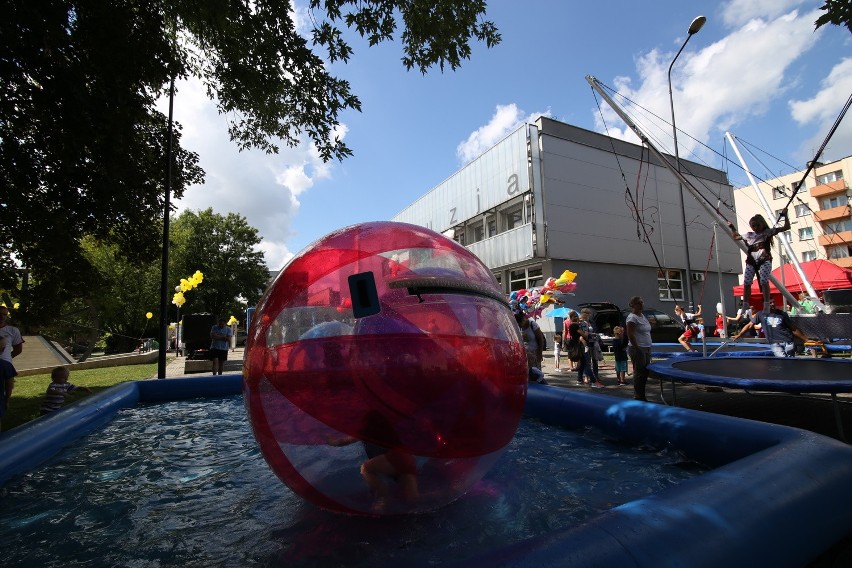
[[29, 391]]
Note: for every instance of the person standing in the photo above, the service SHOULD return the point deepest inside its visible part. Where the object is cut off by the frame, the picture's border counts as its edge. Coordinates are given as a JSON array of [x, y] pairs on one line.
[[807, 306], [759, 256], [220, 336], [588, 363], [593, 340], [639, 350], [557, 351], [619, 349], [568, 339], [533, 338], [779, 330], [721, 329], [11, 345]]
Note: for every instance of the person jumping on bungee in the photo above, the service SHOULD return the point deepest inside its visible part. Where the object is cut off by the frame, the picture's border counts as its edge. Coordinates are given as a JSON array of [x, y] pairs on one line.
[[759, 256]]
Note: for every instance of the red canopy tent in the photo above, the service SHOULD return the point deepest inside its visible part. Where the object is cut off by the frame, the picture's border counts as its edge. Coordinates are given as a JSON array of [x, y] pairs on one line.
[[822, 274]]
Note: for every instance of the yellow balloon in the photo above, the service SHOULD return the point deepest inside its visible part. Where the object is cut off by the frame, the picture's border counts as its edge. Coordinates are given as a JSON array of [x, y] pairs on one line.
[[149, 315], [565, 278]]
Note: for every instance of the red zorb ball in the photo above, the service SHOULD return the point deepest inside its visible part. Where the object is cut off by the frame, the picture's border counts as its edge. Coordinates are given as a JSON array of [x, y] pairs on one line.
[[384, 372]]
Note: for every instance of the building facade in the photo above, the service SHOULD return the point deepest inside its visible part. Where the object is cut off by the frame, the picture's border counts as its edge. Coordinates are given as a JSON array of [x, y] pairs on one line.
[[820, 214], [551, 197]]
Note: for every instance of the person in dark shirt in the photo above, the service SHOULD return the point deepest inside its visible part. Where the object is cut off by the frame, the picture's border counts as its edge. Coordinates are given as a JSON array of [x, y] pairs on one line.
[[779, 329], [58, 390]]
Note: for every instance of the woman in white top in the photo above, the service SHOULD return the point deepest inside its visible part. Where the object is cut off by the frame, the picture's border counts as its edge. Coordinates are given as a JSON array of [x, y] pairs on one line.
[[639, 350]]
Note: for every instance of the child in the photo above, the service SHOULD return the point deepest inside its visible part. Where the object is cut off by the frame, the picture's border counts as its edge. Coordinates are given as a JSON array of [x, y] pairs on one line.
[[58, 390], [759, 256], [557, 350], [619, 348], [721, 328], [694, 330]]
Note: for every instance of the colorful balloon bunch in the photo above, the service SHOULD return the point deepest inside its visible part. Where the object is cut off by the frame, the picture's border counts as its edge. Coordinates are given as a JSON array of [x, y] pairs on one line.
[[186, 284], [533, 301]]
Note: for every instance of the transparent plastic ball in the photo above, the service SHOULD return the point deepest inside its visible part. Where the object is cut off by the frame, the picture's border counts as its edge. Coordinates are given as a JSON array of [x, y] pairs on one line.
[[384, 372]]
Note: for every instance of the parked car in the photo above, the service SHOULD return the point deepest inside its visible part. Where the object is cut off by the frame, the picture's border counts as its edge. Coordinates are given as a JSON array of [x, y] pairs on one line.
[[664, 328], [606, 315]]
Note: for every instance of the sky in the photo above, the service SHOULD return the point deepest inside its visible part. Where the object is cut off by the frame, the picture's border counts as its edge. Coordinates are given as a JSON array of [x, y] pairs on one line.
[[756, 69]]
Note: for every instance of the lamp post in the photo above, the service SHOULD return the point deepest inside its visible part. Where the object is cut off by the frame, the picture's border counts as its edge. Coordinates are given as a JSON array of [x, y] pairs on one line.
[[694, 27]]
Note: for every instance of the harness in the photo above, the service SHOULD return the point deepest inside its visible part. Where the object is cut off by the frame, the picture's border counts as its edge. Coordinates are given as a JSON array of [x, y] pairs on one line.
[[763, 246]]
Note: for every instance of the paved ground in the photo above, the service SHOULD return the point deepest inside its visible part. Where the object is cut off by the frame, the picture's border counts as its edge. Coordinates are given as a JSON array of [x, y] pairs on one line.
[[797, 411], [177, 366]]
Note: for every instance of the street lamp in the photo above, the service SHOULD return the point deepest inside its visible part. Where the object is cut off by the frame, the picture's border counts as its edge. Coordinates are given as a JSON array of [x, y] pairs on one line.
[[694, 27]]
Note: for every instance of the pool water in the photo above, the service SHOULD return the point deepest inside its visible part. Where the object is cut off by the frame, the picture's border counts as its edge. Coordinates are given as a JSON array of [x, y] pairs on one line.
[[184, 484]]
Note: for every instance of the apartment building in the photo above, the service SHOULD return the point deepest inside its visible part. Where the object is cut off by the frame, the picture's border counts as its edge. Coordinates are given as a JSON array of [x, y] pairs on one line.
[[820, 212]]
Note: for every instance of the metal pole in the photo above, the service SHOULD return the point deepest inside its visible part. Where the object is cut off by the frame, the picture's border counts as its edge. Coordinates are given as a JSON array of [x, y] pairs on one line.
[[688, 287], [164, 267], [782, 237], [177, 333], [724, 332], [686, 183]]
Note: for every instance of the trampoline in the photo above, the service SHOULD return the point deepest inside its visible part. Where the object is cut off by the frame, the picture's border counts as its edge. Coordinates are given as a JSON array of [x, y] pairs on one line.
[[790, 375], [730, 349]]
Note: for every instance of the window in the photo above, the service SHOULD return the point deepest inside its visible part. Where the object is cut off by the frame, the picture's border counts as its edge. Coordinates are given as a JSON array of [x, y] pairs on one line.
[[838, 227], [808, 255], [806, 233], [477, 232], [525, 278], [458, 235], [499, 277], [786, 236], [802, 210], [491, 222], [779, 192], [514, 217], [836, 201], [839, 251], [675, 282], [535, 277], [830, 177]]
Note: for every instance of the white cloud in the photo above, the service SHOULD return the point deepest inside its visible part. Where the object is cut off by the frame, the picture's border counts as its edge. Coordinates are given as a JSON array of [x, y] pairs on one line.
[[737, 12], [264, 188], [823, 109], [717, 86], [506, 118]]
